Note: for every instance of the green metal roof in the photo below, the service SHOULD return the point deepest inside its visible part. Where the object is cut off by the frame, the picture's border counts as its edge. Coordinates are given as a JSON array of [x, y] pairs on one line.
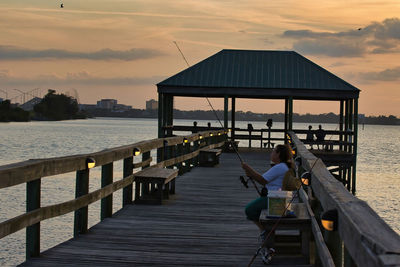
[[260, 71]]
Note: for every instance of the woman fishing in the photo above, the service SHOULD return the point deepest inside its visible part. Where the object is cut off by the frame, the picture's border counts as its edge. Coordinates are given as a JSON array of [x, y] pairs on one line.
[[272, 179]]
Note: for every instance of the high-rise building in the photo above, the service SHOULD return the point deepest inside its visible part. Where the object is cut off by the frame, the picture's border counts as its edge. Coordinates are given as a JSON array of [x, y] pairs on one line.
[[107, 103], [151, 104]]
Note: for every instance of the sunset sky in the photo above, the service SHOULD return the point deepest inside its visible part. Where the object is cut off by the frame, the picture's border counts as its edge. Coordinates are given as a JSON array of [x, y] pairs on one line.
[[121, 48]]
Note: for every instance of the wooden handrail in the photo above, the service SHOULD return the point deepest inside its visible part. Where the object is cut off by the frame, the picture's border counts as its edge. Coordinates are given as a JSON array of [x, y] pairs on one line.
[[36, 169], [30, 170], [367, 238]]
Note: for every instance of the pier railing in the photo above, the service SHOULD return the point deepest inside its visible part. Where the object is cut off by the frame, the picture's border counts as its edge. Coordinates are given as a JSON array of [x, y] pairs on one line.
[[173, 152], [362, 238], [267, 137]]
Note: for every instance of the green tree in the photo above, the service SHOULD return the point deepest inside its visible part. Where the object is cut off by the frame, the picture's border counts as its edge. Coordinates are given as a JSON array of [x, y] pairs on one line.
[[9, 113], [58, 107]]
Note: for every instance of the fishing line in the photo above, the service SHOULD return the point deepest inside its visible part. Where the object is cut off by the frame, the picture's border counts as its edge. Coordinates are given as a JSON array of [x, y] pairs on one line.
[[277, 222], [209, 103]]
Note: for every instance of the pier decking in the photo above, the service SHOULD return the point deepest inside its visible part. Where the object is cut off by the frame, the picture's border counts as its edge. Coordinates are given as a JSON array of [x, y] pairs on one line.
[[202, 225]]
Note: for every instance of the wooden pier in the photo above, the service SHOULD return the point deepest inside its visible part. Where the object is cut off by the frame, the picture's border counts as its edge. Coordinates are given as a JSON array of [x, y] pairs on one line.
[[203, 221], [202, 225]]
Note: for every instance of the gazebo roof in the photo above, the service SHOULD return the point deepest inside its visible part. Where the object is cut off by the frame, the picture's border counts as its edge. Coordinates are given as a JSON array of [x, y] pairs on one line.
[[258, 74]]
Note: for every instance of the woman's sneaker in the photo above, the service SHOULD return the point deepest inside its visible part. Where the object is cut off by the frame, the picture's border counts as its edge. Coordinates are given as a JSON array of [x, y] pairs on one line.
[[266, 255]]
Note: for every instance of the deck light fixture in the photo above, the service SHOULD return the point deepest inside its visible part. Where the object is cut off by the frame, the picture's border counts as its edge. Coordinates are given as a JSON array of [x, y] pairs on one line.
[[136, 151], [185, 140], [219, 133], [200, 136], [306, 178], [90, 162], [211, 134], [229, 130], [329, 220]]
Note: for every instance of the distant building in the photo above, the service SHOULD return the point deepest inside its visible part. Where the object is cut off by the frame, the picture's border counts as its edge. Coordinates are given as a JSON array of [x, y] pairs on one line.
[[107, 103], [87, 107], [151, 104], [111, 104], [121, 107], [28, 105]]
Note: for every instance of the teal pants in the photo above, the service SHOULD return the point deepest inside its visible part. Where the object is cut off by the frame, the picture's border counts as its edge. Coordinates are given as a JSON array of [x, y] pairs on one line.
[[253, 209]]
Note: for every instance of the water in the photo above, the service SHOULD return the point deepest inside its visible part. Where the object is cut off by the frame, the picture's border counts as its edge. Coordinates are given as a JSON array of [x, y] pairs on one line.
[[378, 171]]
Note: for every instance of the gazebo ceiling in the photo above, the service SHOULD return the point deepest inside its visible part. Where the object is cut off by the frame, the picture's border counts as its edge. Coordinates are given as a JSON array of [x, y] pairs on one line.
[[258, 74]]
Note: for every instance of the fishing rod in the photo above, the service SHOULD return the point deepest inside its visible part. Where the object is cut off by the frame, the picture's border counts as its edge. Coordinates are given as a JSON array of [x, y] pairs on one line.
[[209, 103], [264, 191], [277, 222]]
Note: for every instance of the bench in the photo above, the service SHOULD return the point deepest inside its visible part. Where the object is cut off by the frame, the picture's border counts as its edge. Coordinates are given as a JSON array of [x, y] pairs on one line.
[[209, 157], [290, 226], [152, 185]]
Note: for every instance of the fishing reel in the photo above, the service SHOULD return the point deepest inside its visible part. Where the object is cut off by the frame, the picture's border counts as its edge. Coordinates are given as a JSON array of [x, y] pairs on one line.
[[244, 181]]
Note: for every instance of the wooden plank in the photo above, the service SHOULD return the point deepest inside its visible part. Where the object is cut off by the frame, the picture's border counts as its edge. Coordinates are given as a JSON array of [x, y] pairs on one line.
[[203, 225]]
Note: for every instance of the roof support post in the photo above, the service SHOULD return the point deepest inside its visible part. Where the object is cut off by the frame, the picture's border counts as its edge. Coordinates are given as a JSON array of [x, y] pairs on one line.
[[226, 99], [290, 113], [353, 187], [233, 118], [346, 122], [160, 115], [341, 123], [169, 114], [286, 119]]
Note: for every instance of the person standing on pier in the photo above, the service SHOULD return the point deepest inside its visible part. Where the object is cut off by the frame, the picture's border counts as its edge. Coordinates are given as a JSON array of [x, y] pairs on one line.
[[320, 134], [310, 136], [272, 179]]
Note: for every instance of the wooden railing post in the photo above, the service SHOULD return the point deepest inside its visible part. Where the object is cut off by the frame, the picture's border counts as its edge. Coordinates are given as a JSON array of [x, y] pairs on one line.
[[81, 189], [127, 191], [195, 160], [334, 244], [186, 150], [179, 152], [107, 202], [33, 231]]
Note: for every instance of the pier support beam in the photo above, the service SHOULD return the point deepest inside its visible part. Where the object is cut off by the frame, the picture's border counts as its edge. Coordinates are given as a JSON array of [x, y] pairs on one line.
[[233, 118], [107, 202], [33, 231], [226, 112], [81, 215]]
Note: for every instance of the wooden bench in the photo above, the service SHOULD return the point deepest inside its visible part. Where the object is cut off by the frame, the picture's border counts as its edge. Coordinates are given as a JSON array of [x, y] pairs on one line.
[[152, 185], [302, 224], [209, 157]]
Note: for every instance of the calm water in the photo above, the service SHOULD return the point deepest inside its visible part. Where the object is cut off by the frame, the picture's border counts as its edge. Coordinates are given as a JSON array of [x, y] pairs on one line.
[[378, 169]]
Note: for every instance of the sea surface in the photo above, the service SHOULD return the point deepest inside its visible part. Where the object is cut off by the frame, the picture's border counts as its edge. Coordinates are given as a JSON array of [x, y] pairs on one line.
[[378, 168]]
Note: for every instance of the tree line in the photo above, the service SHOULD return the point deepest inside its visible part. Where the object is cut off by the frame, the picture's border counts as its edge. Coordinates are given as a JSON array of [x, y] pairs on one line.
[[243, 116], [52, 107]]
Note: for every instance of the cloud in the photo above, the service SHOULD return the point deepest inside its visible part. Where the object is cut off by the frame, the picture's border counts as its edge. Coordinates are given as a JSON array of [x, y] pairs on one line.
[[76, 79], [16, 53], [385, 75], [376, 38]]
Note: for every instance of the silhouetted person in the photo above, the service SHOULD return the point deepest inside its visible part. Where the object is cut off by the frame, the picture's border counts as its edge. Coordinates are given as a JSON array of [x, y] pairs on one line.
[[209, 124], [320, 134], [194, 127], [310, 136]]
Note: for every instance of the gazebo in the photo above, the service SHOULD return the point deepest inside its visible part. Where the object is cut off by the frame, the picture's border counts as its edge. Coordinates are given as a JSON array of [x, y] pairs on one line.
[[259, 74]]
